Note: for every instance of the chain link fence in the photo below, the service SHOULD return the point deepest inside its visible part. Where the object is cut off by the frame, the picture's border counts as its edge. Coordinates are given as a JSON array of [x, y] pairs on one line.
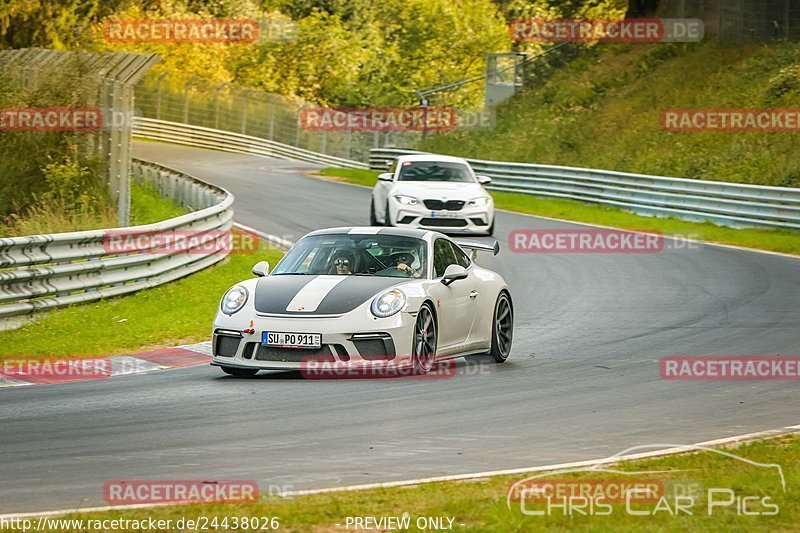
[[225, 106], [741, 20], [42, 79]]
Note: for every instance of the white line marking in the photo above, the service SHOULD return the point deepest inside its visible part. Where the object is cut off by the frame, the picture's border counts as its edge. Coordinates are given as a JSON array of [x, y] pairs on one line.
[[682, 239], [457, 477], [272, 239], [201, 347]]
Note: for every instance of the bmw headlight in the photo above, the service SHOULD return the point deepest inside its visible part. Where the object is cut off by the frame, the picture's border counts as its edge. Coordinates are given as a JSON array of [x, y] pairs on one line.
[[234, 300], [483, 201], [388, 303], [406, 200]]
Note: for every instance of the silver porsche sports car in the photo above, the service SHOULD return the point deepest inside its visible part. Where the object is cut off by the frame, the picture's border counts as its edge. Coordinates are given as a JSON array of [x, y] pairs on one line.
[[365, 296]]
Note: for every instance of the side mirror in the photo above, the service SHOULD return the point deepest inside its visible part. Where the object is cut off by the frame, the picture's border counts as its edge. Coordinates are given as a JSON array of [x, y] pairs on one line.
[[483, 180], [261, 269], [453, 273], [386, 176]]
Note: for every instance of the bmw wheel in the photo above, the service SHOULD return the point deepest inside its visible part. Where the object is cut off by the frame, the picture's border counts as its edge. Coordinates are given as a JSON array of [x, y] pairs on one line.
[[502, 328], [424, 349], [387, 219], [372, 220]]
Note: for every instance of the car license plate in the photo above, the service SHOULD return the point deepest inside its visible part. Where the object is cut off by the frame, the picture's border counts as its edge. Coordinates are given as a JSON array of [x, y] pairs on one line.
[[444, 214], [291, 340]]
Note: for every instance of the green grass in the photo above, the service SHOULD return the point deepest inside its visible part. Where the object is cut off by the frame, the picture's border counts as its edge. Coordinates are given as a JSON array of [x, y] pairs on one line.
[[603, 110], [481, 504], [171, 314], [368, 178], [774, 240], [148, 206]]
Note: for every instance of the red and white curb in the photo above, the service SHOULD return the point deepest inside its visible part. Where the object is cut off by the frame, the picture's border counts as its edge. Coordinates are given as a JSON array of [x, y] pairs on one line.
[[21, 371]]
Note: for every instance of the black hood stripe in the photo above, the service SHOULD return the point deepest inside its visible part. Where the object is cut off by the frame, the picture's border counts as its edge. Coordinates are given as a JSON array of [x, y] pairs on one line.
[[354, 291], [274, 293]]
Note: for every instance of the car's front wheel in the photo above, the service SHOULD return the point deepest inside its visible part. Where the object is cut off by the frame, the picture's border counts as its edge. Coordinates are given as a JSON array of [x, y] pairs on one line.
[[373, 221], [424, 349], [502, 328], [240, 372], [387, 221], [490, 231]]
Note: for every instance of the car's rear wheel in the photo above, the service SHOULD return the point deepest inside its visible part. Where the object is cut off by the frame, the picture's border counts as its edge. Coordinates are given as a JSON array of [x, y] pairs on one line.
[[502, 328], [372, 220], [424, 349], [240, 372]]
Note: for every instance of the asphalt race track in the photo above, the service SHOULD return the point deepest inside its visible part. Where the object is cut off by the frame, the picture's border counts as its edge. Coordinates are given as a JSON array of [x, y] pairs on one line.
[[582, 382]]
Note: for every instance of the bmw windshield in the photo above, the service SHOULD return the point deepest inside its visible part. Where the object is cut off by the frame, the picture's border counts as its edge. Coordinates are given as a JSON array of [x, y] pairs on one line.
[[435, 171]]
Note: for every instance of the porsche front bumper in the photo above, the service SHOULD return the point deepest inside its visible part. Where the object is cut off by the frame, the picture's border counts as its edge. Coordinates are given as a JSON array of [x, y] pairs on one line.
[[356, 338]]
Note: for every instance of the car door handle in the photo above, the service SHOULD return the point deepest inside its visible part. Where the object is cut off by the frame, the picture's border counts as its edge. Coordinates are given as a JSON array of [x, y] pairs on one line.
[[473, 294]]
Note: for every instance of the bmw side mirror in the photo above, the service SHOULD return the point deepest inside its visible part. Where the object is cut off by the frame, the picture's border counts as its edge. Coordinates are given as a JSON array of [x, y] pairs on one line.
[[453, 273], [386, 176], [483, 180], [261, 269]]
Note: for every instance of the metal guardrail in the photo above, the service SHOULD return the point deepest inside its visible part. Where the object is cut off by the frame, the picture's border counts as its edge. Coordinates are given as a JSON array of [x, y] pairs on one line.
[[198, 136], [48, 271], [728, 204]]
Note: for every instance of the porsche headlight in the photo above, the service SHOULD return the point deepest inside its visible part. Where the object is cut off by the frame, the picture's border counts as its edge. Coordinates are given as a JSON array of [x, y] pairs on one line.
[[406, 200], [483, 201], [234, 300], [388, 303]]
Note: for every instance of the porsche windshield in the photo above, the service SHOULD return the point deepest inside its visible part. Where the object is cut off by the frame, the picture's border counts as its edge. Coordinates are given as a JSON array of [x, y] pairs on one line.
[[434, 171], [358, 255]]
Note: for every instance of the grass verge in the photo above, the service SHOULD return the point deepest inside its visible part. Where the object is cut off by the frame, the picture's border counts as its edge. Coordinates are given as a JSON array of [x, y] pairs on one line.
[[175, 313], [147, 206], [480, 504], [784, 241]]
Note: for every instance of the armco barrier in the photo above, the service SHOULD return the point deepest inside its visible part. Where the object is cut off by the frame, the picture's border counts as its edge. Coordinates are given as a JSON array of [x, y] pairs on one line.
[[198, 136], [728, 204], [48, 271]]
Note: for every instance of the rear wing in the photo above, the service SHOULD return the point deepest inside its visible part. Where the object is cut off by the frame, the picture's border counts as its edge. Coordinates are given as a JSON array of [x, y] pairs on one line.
[[474, 247]]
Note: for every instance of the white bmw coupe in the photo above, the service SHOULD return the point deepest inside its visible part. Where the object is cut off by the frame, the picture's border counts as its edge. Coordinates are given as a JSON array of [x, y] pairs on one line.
[[432, 191], [365, 296]]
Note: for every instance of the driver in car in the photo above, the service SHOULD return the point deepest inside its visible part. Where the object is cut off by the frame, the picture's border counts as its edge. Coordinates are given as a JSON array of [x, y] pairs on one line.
[[403, 264], [343, 262]]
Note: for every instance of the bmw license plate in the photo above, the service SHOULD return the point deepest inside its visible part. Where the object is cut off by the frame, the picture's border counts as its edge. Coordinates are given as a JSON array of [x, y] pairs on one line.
[[291, 340], [444, 214]]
